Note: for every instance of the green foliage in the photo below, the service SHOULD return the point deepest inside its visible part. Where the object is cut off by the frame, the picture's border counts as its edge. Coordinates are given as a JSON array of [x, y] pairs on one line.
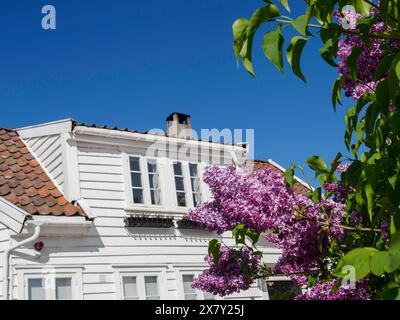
[[372, 133]]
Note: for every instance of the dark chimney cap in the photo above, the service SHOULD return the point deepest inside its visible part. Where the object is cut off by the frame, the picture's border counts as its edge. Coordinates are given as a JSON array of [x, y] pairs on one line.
[[181, 117]]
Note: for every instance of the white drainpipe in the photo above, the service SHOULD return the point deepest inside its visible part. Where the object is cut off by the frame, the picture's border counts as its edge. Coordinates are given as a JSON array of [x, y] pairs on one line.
[[7, 252]]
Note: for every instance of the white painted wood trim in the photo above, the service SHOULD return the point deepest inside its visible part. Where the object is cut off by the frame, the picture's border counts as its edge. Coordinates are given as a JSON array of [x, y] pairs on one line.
[[45, 129], [12, 216], [70, 168]]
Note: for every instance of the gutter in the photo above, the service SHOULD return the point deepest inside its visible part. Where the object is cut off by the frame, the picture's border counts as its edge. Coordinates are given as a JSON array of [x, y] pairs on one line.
[[8, 251]]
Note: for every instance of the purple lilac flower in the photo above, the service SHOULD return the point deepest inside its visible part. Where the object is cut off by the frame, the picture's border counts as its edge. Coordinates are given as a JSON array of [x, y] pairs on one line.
[[323, 291], [228, 277]]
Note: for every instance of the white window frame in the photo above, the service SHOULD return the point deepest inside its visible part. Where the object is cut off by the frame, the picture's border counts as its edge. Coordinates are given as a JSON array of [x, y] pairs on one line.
[[140, 273], [185, 184], [49, 274], [145, 181], [199, 176]]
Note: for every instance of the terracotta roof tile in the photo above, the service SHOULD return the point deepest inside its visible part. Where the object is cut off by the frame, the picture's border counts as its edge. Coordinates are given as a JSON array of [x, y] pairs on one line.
[[24, 183], [260, 164]]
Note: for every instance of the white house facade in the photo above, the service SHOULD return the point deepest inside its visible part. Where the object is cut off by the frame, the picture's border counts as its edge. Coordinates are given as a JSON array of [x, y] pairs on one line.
[[109, 220]]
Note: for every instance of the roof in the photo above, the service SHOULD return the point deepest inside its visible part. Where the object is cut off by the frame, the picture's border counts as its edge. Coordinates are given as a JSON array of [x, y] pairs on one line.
[[298, 187], [149, 132], [24, 183]]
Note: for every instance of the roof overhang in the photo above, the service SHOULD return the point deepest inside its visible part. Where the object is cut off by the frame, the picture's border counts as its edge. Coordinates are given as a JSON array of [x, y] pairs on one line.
[[58, 226]]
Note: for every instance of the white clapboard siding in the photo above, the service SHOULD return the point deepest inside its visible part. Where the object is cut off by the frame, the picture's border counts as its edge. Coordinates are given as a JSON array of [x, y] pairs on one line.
[[48, 150], [109, 247], [4, 243]]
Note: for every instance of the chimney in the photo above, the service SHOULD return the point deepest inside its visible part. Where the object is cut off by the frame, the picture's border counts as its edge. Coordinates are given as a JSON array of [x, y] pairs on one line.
[[179, 126]]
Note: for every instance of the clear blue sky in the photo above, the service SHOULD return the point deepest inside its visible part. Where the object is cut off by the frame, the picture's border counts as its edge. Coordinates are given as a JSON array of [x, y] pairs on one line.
[[130, 63]]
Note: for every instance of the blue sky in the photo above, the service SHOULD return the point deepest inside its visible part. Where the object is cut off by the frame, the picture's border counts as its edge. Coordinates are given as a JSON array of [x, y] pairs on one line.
[[131, 63]]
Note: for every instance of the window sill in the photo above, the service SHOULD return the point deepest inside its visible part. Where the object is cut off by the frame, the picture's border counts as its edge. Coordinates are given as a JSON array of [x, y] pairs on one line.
[[155, 209]]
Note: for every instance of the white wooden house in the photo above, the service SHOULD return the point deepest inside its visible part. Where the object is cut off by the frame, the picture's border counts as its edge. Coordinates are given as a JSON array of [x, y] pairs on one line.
[[107, 208]]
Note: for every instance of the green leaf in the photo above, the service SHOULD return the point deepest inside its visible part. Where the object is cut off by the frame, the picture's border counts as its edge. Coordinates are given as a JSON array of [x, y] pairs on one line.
[[260, 16], [300, 24], [293, 55], [254, 236], [395, 123], [214, 250], [352, 62], [336, 92], [285, 4], [239, 233], [272, 47], [239, 30], [393, 262], [390, 291], [317, 164], [378, 262], [289, 175], [327, 52], [359, 259], [383, 67], [369, 193], [393, 78], [363, 7]]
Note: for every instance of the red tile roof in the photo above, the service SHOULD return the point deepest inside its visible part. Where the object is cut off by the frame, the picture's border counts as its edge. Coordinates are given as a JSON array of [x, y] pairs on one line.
[[260, 164], [24, 183]]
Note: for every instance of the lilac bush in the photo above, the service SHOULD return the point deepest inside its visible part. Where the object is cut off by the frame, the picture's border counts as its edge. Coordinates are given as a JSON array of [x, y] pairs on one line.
[[353, 218]]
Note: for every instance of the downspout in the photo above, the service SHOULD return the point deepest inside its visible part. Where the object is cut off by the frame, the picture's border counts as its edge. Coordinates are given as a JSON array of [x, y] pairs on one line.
[[7, 253]]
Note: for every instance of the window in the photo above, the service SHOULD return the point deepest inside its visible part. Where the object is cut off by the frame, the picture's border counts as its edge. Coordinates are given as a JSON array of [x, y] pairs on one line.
[[130, 288], [49, 287], [192, 294], [179, 185], [195, 182], [281, 289], [36, 289], [189, 292], [154, 182], [63, 289], [140, 286], [151, 286], [136, 178]]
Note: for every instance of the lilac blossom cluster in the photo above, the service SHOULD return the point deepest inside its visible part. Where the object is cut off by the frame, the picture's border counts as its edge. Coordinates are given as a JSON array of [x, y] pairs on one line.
[[228, 276], [262, 202], [369, 58], [324, 291]]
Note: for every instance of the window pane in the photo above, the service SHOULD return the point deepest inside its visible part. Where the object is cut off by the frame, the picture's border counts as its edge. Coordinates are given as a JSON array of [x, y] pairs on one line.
[[196, 199], [137, 195], [152, 166], [155, 197], [179, 184], [153, 179], [190, 293], [136, 180], [36, 289], [178, 168], [282, 290], [151, 286], [193, 169], [135, 165], [181, 198], [130, 288], [195, 184], [63, 289]]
